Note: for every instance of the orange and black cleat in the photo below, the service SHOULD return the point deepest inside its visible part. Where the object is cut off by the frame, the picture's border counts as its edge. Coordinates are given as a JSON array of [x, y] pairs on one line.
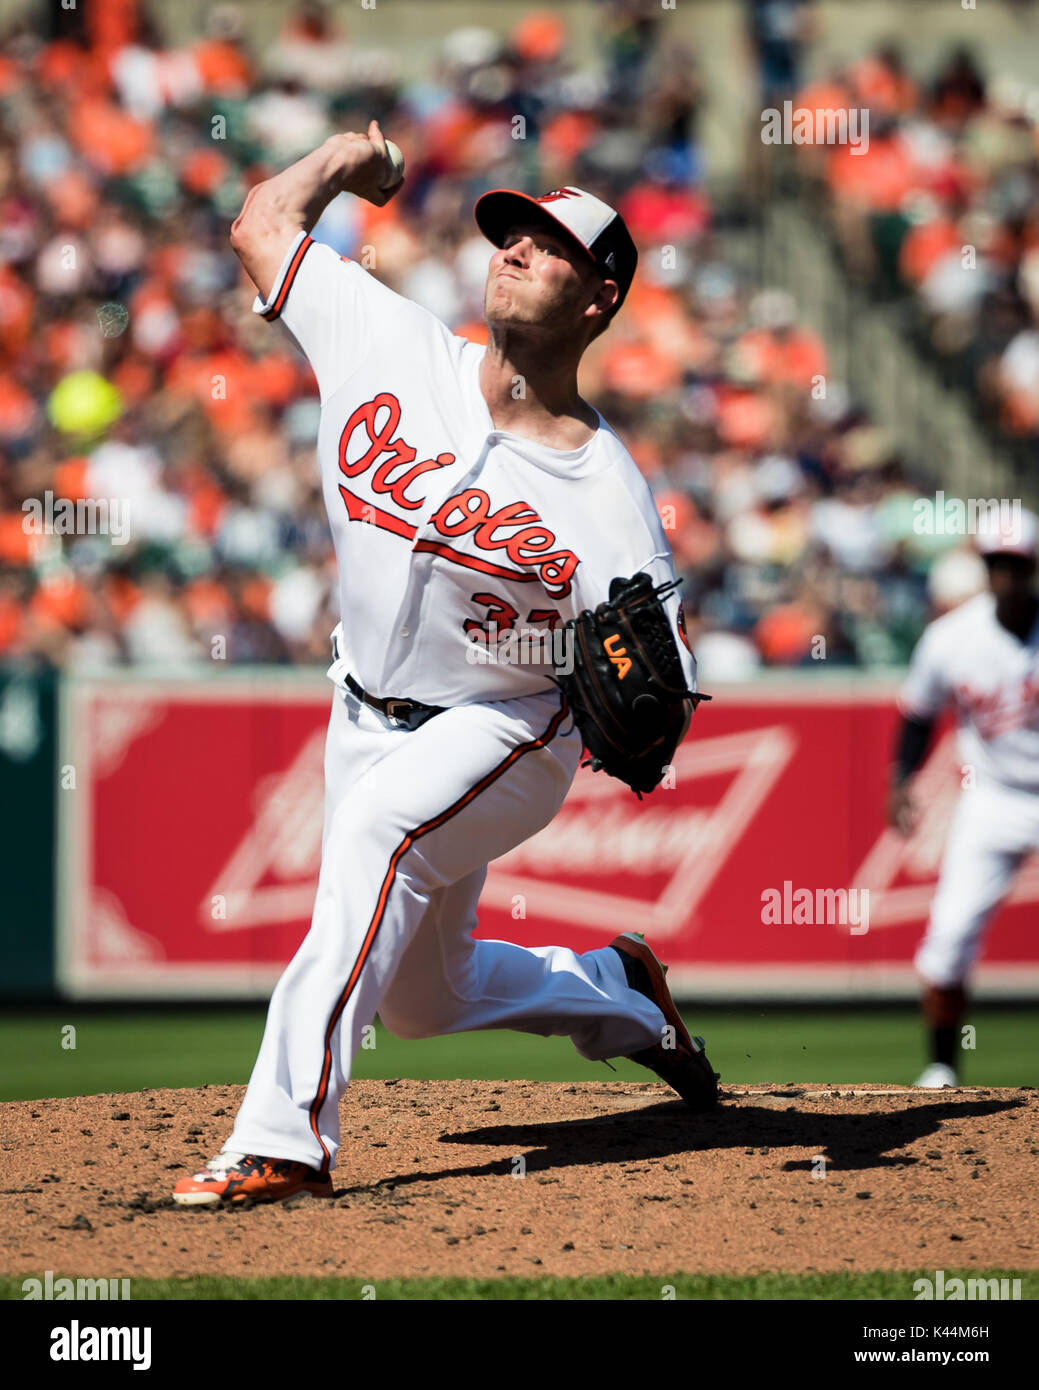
[[235, 1179], [684, 1066]]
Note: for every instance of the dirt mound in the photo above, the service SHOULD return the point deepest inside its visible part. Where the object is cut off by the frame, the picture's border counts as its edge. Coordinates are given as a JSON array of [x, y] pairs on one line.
[[485, 1178]]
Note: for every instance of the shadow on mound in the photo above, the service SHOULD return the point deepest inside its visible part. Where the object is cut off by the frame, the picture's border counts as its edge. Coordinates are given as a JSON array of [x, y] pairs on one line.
[[850, 1141]]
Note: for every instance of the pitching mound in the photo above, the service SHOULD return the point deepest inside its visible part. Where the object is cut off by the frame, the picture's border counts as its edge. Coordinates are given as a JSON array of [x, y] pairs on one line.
[[484, 1178]]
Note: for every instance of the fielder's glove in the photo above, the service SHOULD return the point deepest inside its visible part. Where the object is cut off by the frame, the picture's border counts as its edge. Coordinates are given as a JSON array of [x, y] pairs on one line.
[[627, 689]]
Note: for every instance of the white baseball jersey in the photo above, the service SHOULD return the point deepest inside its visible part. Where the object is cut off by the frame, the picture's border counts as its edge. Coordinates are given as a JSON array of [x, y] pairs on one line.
[[450, 534], [992, 679], [443, 527]]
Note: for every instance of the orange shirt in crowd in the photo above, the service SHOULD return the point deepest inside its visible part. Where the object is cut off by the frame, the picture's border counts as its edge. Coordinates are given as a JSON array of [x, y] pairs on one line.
[[60, 341], [202, 172], [222, 66], [10, 621], [17, 409], [73, 199], [206, 506], [16, 311], [638, 369], [883, 89], [113, 24], [794, 358], [647, 302], [133, 379], [746, 417], [277, 378], [18, 547], [207, 601], [109, 138], [221, 383], [539, 37], [925, 245], [10, 75], [70, 478], [784, 634], [877, 178], [66, 68], [565, 135], [61, 601], [255, 597]]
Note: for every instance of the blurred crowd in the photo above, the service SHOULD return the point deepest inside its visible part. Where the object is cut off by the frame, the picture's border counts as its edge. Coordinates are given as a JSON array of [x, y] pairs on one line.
[[131, 366], [943, 208]]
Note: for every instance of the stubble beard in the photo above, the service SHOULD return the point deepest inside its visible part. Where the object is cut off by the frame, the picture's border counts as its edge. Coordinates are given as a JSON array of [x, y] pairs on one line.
[[511, 317]]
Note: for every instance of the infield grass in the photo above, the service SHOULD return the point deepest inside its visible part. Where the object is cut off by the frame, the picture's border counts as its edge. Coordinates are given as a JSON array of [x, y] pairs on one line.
[[870, 1284], [133, 1049]]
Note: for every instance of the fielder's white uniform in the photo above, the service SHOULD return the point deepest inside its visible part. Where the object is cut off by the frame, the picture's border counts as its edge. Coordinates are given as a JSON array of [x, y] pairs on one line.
[[447, 531], [992, 679]]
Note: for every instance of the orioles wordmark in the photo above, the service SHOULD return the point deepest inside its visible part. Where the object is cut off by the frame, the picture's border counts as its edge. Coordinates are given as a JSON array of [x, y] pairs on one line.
[[532, 546]]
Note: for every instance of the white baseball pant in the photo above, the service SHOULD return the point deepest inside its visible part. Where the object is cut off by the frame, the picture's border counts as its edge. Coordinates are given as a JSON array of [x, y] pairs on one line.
[[412, 818], [993, 830]]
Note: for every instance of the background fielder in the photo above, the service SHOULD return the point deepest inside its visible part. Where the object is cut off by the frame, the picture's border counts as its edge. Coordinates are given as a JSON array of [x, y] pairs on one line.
[[446, 523], [983, 657]]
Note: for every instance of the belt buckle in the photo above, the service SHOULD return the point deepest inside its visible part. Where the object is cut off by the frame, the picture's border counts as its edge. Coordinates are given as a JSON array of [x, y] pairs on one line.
[[399, 719]]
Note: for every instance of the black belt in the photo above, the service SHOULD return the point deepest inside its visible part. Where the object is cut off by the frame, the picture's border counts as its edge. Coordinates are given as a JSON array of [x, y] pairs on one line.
[[412, 714]]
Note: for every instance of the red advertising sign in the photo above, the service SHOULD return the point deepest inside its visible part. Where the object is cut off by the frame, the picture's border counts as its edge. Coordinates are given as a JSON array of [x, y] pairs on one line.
[[191, 839]]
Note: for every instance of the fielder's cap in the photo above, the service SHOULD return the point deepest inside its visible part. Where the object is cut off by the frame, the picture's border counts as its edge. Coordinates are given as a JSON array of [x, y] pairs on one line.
[[596, 227], [1011, 531]]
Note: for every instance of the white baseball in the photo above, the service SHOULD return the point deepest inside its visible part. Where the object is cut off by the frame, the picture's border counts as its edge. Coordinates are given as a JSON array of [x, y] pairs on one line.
[[397, 160]]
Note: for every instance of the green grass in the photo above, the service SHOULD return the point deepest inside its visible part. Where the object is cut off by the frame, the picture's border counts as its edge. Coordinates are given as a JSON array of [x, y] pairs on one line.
[[135, 1049], [885, 1284]]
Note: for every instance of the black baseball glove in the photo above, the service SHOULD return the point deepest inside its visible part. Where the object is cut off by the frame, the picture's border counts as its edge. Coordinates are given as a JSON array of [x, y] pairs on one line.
[[627, 690]]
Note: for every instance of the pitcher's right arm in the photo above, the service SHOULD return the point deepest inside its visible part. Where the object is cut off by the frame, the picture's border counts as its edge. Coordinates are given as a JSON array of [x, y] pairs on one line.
[[278, 209]]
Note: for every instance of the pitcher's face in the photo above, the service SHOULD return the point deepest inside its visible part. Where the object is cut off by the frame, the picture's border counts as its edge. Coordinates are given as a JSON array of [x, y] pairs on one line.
[[536, 277]]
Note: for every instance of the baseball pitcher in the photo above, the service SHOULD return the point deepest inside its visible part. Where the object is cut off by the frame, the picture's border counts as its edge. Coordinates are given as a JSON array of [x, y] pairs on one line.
[[473, 496]]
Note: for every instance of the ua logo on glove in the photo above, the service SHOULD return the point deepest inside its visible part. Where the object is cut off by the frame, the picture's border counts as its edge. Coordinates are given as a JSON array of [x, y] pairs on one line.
[[620, 658]]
